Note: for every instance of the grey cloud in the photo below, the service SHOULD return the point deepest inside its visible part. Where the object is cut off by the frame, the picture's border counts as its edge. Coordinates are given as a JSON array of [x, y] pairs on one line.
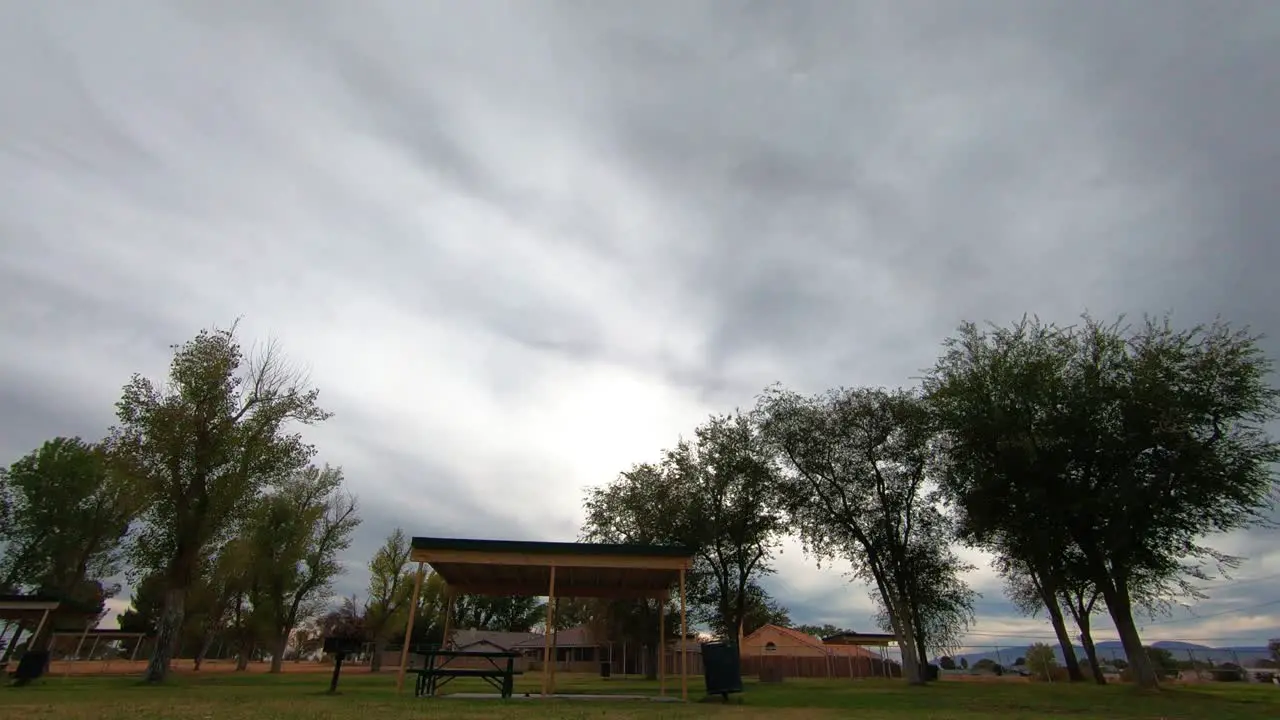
[[806, 192]]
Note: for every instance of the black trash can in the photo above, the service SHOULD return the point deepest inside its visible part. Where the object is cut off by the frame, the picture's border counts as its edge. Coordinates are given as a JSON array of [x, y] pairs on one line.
[[606, 669], [721, 668], [931, 673], [32, 665]]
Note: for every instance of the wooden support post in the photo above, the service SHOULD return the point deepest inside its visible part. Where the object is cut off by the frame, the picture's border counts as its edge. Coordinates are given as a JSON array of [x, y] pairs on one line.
[[80, 644], [546, 637], [136, 647], [408, 630], [448, 620], [684, 645], [36, 635], [662, 647]]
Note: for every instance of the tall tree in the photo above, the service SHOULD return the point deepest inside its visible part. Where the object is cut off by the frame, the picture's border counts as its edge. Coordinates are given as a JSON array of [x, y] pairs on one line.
[[390, 592], [68, 514], [303, 526], [941, 602], [212, 598], [729, 512], [862, 463], [500, 613], [1126, 444], [641, 507], [429, 621], [570, 612], [201, 447]]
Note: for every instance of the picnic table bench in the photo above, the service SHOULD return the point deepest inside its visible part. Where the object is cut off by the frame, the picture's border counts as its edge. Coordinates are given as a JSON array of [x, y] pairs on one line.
[[499, 673]]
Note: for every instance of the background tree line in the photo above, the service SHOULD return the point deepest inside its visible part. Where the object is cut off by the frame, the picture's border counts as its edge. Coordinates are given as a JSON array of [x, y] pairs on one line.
[[203, 495], [1092, 461]]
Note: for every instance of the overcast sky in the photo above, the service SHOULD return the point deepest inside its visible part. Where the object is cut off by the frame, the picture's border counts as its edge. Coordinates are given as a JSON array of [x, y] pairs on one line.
[[522, 245]]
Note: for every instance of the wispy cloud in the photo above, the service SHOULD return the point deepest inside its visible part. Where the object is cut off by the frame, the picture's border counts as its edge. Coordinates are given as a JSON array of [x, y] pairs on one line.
[[522, 246]]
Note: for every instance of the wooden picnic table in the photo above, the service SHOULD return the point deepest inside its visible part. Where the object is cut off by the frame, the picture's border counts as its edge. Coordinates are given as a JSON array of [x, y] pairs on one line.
[[436, 671]]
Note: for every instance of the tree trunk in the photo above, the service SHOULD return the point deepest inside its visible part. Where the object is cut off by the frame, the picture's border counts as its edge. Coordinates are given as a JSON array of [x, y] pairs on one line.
[[277, 653], [1090, 650], [375, 662], [1141, 668], [911, 669], [167, 634], [242, 658], [921, 647], [202, 651], [1049, 596], [905, 634]]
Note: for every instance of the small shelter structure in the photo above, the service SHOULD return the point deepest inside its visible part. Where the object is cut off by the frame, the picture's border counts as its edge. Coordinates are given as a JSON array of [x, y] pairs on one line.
[[24, 611], [552, 570], [862, 639]]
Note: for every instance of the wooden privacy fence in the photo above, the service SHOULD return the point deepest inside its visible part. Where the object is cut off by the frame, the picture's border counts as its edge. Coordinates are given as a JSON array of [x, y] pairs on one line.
[[633, 667], [835, 666]]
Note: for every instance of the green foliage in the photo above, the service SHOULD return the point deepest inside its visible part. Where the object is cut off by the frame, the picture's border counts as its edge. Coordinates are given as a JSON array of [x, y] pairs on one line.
[[390, 586], [822, 631], [946, 662], [201, 448], [1041, 660], [501, 613], [730, 513], [1121, 446], [1273, 645], [205, 444], [863, 463], [570, 612], [296, 534], [715, 495], [67, 512], [1163, 660]]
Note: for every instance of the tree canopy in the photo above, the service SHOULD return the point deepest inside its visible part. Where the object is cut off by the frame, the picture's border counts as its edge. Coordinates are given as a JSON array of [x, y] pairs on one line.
[[863, 464], [1125, 444], [200, 449], [1093, 461]]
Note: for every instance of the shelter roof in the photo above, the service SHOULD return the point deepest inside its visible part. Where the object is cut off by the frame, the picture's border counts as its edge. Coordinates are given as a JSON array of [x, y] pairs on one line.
[[856, 638], [26, 608], [509, 567]]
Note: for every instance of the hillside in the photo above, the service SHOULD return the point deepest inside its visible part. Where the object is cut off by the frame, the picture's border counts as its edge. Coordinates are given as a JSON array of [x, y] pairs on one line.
[[1111, 649]]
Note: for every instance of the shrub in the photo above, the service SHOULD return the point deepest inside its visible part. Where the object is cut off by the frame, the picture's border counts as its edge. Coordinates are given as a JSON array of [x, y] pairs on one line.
[[1041, 660]]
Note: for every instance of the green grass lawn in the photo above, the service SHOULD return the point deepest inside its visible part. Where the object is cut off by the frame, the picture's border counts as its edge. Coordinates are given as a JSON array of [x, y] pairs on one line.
[[366, 697]]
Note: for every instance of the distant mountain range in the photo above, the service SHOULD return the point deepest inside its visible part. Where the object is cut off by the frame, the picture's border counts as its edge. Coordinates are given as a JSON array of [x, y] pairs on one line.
[[1111, 649]]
